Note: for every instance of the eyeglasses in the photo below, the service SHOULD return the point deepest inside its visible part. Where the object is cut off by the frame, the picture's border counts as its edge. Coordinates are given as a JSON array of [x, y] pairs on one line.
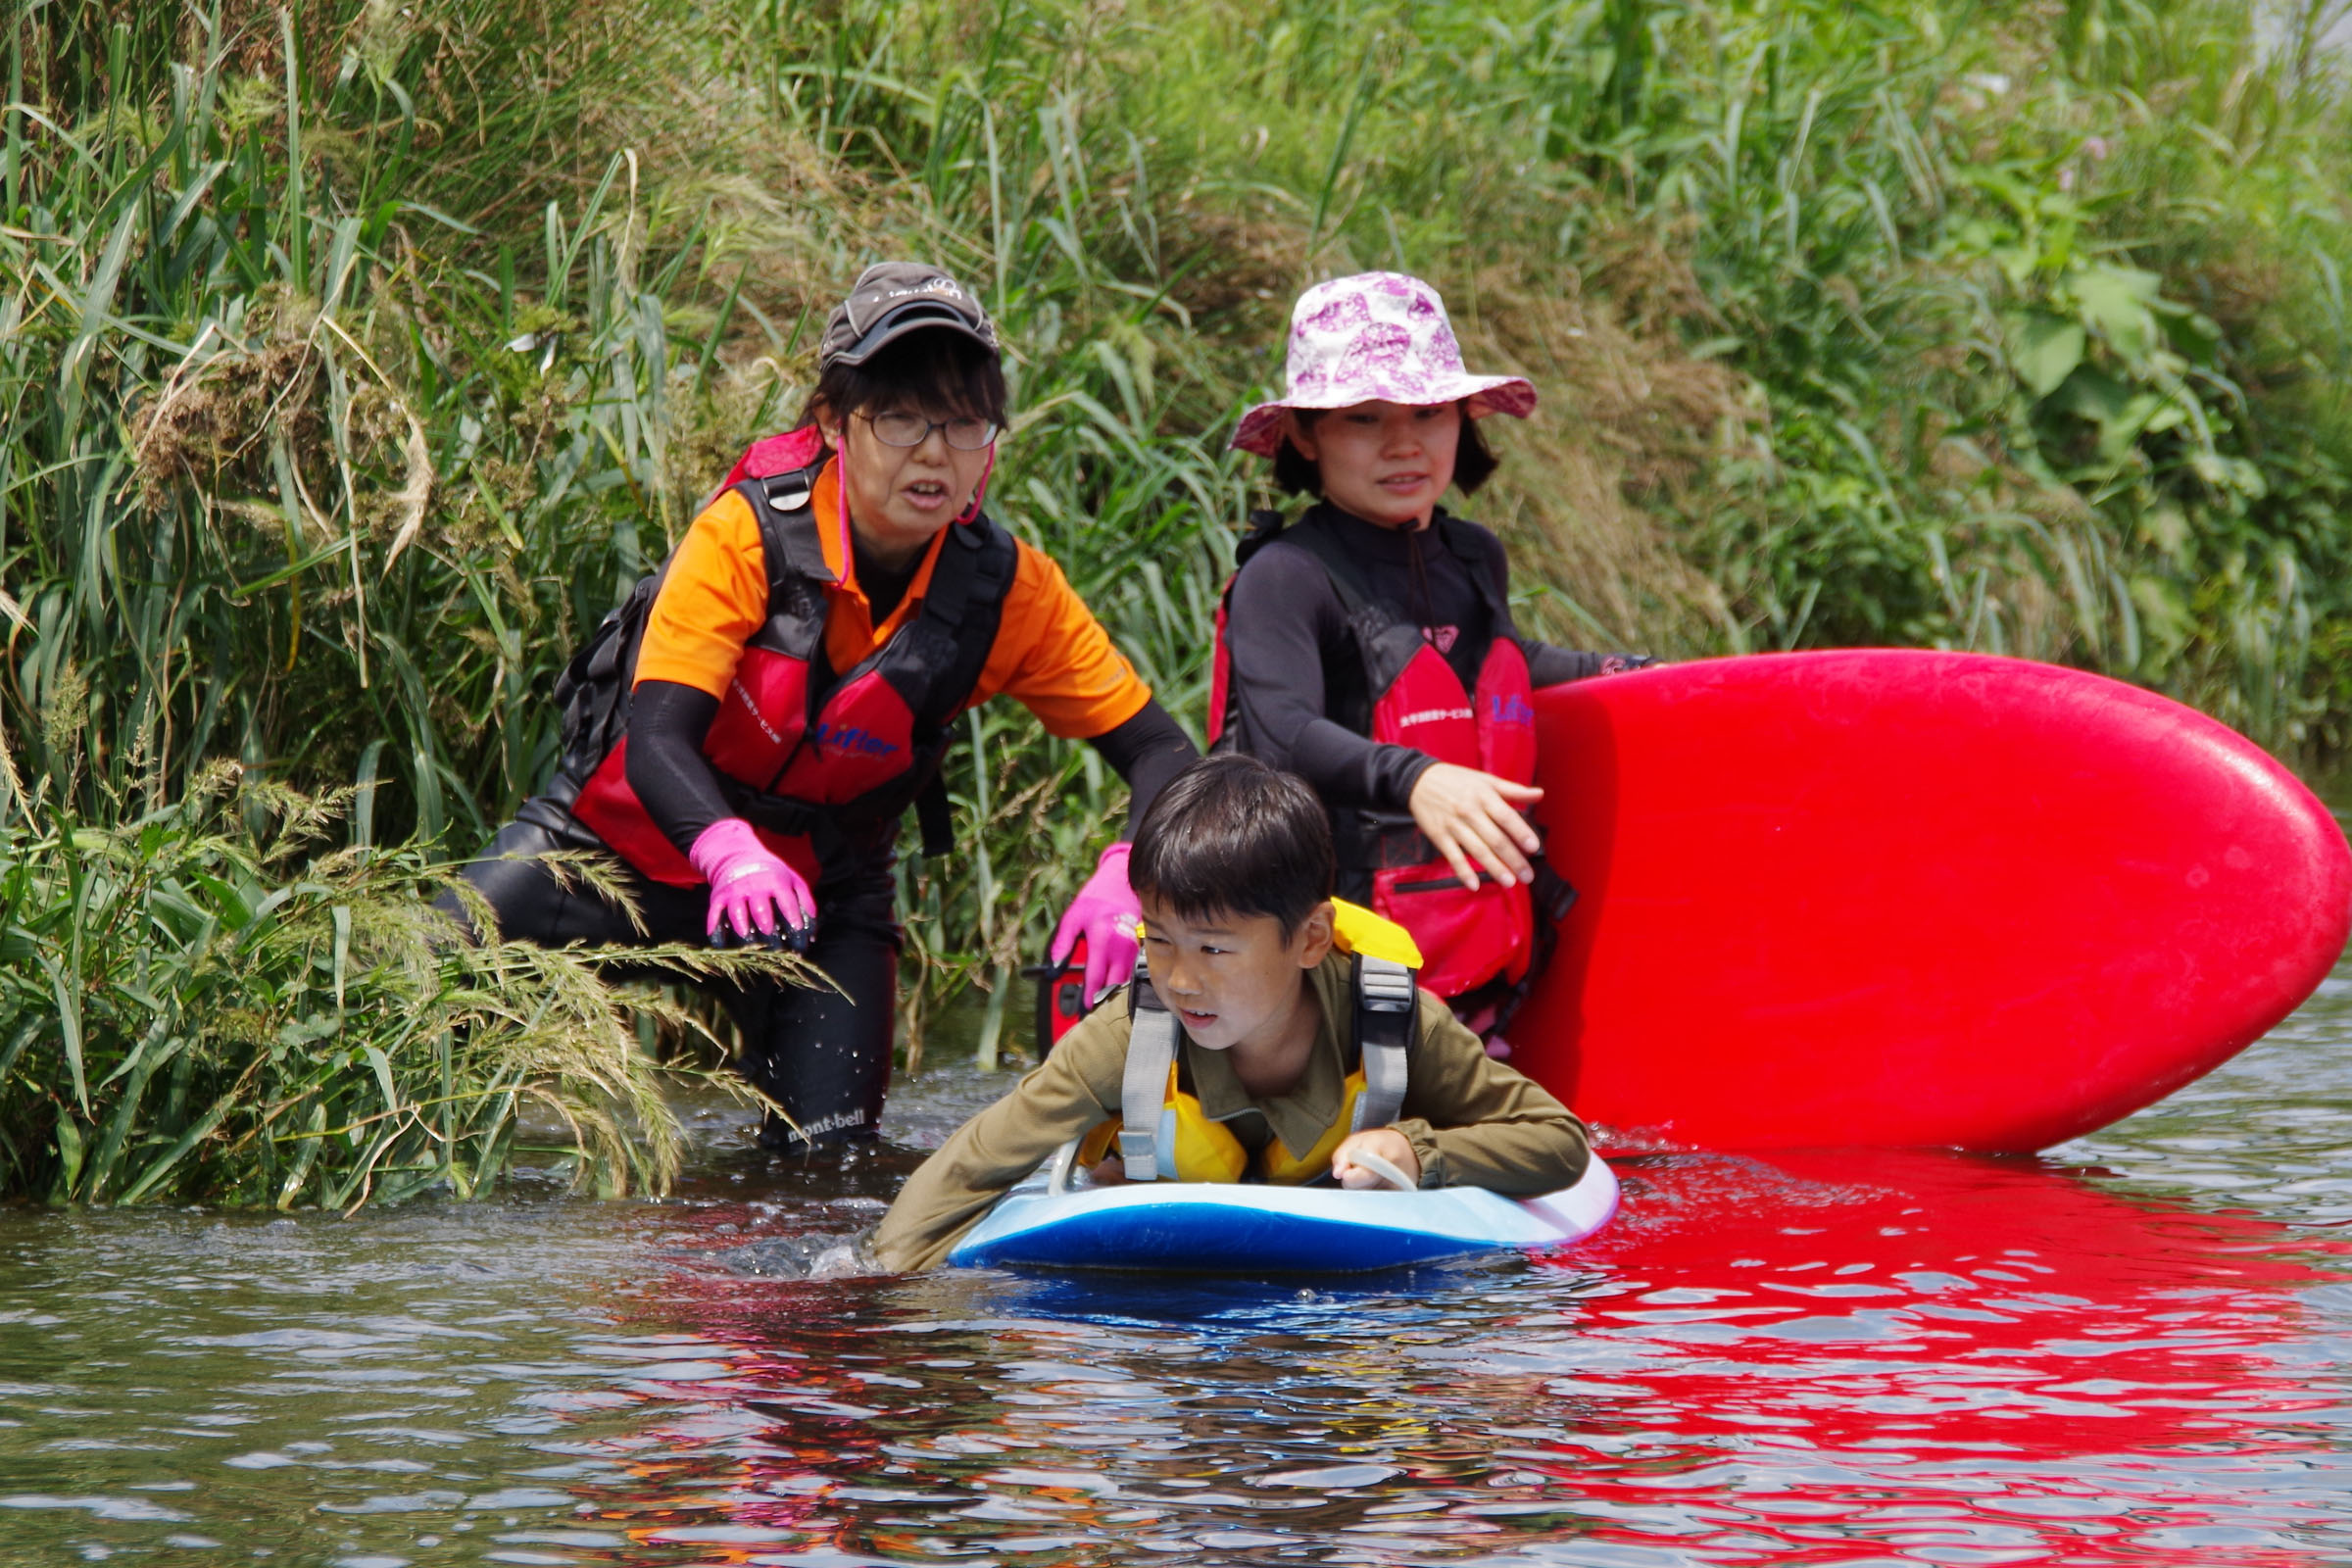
[[965, 434]]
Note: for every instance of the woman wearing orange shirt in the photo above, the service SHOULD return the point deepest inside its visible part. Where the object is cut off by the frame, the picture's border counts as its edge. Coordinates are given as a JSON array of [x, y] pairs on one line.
[[747, 731]]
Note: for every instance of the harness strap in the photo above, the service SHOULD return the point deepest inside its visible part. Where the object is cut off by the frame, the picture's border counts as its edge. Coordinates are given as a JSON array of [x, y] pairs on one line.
[[936, 817], [1264, 527], [1464, 544], [953, 579], [1316, 540], [792, 550], [795, 559], [1143, 1090], [1555, 896], [976, 567], [1385, 1016], [1386, 642]]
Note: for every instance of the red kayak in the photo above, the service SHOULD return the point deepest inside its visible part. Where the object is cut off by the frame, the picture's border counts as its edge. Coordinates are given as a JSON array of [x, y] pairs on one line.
[[1911, 899]]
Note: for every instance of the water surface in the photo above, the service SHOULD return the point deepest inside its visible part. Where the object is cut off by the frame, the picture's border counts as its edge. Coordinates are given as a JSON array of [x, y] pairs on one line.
[[2137, 1349]]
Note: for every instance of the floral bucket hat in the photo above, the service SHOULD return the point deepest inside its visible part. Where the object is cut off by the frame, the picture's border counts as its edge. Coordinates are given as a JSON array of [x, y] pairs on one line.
[[1376, 336]]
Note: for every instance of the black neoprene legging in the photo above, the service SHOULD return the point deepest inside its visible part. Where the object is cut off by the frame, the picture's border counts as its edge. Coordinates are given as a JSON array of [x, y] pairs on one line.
[[824, 1056]]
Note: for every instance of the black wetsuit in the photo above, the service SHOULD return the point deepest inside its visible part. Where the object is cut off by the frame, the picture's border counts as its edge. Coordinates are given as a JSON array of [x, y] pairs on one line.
[[1298, 699]]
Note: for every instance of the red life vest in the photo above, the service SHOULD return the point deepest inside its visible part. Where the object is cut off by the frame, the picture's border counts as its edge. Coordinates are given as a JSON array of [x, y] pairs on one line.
[[1469, 938], [817, 761]]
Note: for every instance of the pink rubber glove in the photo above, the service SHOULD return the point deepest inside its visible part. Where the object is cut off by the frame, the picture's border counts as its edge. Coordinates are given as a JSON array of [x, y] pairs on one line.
[[751, 890], [1105, 913]]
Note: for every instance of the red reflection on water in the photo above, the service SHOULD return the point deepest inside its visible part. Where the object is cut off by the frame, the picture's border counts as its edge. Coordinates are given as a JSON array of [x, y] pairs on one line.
[[1991, 1357], [1841, 1357]]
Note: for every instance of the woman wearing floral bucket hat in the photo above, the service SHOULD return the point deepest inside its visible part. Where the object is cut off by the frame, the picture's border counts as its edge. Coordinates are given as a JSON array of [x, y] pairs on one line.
[[1369, 647]]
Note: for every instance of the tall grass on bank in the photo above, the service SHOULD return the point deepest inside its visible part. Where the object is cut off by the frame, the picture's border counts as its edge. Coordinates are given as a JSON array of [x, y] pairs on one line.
[[204, 1002], [295, 469], [354, 358]]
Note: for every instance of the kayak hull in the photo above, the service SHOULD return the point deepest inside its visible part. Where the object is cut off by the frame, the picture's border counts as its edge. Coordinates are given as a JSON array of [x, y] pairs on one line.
[[1232, 1228], [1911, 899]]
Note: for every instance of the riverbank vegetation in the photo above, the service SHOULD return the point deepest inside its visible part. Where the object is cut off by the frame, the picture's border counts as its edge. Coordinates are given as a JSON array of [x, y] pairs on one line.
[[212, 998], [356, 357]]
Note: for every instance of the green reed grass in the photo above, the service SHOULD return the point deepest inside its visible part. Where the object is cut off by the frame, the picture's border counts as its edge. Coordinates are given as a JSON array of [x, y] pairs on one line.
[[287, 484], [209, 1001]]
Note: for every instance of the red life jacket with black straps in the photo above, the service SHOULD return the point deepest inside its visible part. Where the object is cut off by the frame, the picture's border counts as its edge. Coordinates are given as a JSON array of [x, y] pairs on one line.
[[819, 761], [1485, 940]]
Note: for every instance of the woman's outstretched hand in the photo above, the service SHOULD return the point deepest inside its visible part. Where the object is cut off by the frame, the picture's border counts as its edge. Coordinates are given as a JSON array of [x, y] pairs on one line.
[[1104, 913], [755, 896], [1474, 817]]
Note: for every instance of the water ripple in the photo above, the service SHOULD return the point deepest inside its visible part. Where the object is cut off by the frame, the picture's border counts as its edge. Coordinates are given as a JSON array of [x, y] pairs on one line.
[[2136, 1350]]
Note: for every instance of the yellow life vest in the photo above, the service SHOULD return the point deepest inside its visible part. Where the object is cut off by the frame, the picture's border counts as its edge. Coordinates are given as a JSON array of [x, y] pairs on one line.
[[1189, 1147]]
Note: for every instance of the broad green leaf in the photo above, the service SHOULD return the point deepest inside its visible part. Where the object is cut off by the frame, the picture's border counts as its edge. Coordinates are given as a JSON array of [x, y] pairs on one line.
[[2097, 396], [306, 1153], [2045, 349], [68, 1024], [2114, 303], [384, 1076], [68, 1155]]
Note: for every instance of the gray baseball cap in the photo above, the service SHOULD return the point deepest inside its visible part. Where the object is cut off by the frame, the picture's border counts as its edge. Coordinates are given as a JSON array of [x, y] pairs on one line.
[[892, 299]]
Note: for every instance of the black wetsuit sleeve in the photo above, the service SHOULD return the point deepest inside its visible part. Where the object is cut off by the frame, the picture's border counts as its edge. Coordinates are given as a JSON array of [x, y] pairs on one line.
[[1147, 751], [667, 721], [1283, 614], [1547, 666]]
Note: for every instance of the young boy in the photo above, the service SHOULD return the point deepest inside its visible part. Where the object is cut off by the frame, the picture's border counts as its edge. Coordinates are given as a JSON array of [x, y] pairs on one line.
[[1233, 866]]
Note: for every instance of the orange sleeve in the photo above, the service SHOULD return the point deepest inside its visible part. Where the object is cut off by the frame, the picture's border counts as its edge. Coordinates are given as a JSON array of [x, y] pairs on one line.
[[713, 600], [1054, 656]]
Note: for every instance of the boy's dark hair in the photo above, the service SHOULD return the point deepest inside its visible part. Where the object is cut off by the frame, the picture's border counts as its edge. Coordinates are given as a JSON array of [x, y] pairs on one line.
[[931, 372], [1230, 835], [1474, 461]]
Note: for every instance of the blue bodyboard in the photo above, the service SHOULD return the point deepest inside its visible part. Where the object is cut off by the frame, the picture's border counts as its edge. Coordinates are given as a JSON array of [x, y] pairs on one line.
[[1232, 1228]]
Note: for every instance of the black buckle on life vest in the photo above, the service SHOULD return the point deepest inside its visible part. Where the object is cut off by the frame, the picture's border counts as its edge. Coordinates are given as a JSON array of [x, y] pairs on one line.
[[786, 493], [795, 555], [1555, 896]]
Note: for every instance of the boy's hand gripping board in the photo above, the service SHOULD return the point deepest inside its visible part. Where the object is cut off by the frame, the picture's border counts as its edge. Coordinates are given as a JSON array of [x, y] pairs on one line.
[[1900, 898]]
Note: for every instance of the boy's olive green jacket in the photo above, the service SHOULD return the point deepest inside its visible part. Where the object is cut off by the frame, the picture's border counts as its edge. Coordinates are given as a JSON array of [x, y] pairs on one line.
[[1472, 1121]]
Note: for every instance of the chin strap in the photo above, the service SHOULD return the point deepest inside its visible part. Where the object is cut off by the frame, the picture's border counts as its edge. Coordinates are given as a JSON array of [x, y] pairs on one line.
[[980, 491]]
